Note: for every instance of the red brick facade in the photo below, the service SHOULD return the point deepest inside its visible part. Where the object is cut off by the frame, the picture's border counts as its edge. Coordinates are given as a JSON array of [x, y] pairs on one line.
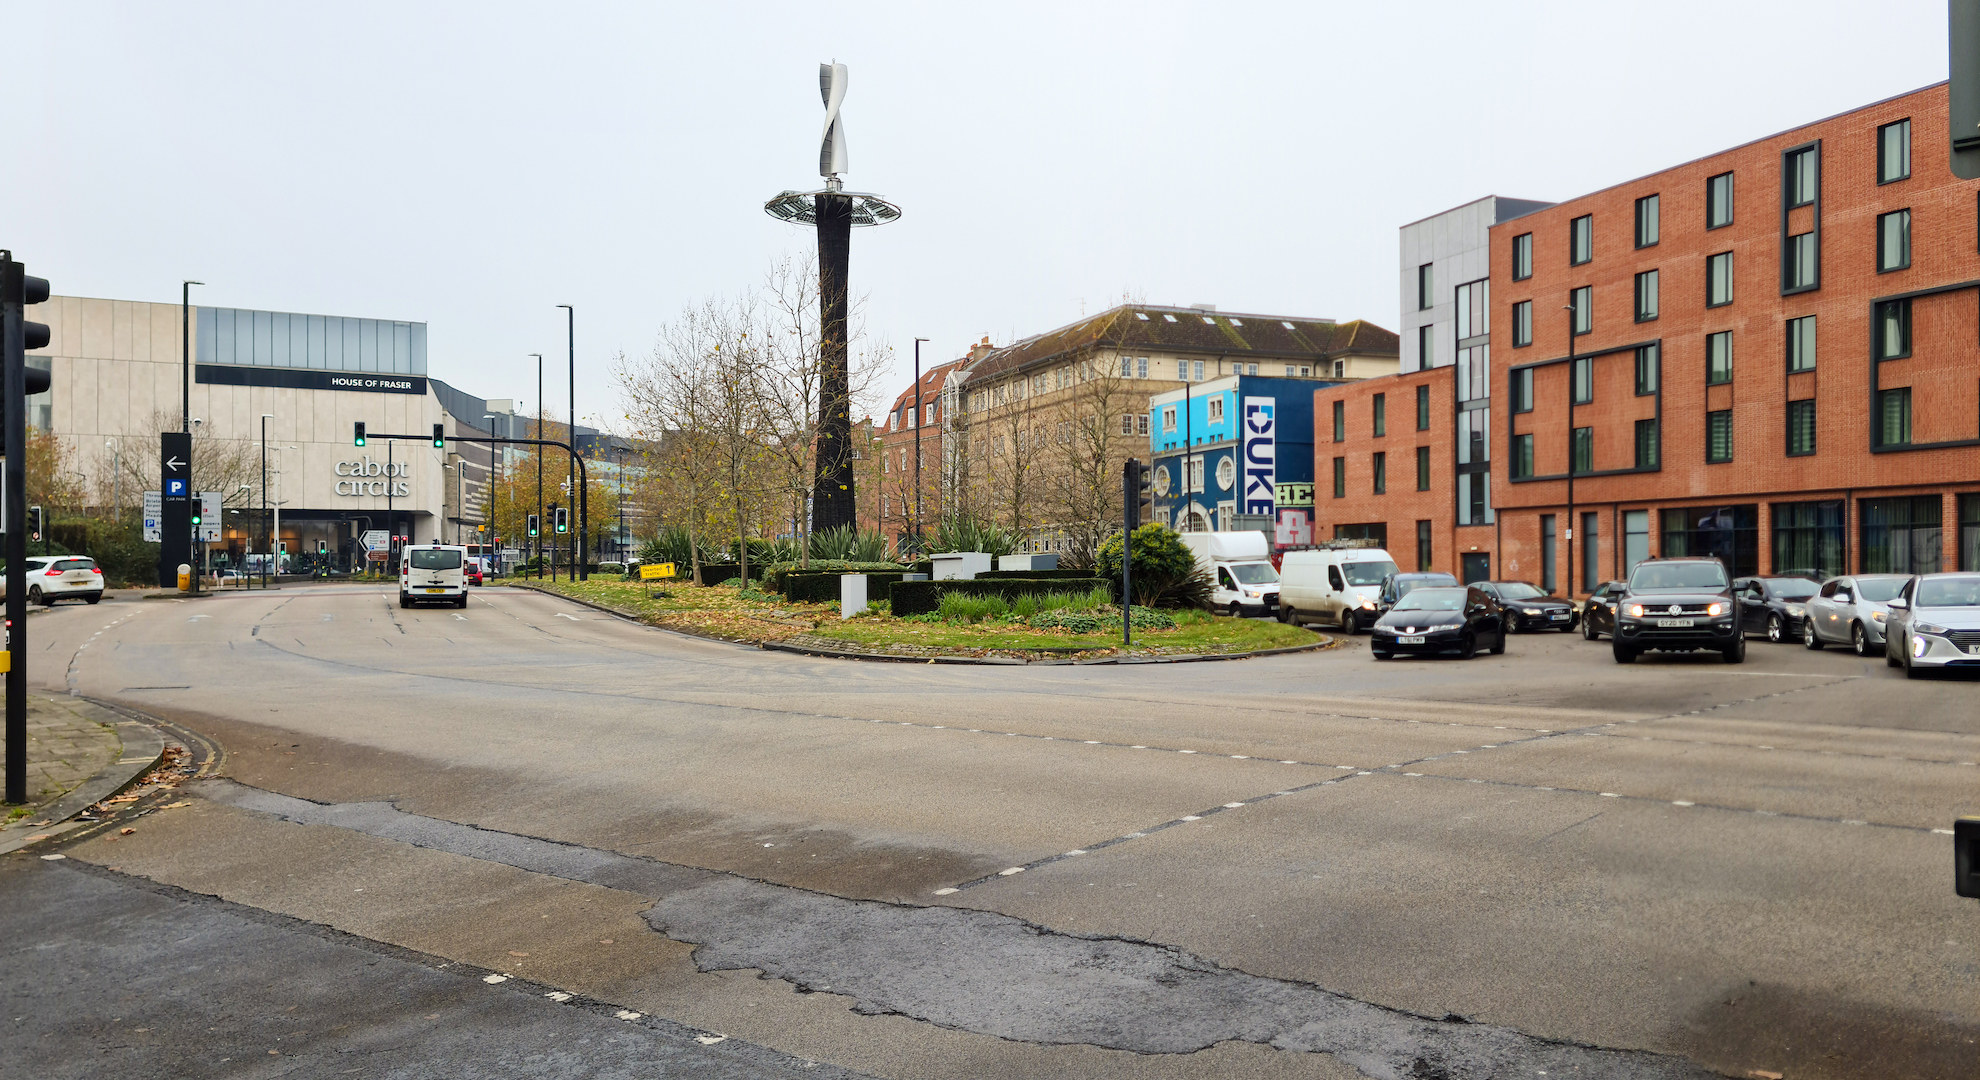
[[1402, 506], [1942, 368]]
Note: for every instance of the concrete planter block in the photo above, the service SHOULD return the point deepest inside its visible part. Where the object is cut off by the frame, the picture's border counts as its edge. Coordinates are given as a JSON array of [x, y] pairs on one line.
[[960, 565], [1046, 561], [852, 595]]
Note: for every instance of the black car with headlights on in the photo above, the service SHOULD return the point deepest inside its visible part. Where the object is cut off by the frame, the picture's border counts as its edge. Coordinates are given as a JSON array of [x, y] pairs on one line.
[[1598, 614], [1774, 606], [1679, 605], [1527, 606], [1435, 620], [1396, 586]]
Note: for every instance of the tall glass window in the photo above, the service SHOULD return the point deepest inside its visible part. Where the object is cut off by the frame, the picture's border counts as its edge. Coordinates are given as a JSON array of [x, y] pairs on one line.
[[1381, 472], [1648, 365], [1801, 427], [1426, 287], [1584, 380], [1902, 536], [1426, 345], [1801, 344], [1646, 296], [1379, 414], [1646, 443], [1423, 407], [1893, 240], [1340, 421], [1969, 532], [1522, 390], [1423, 468], [1803, 177], [1893, 329], [1522, 257], [1522, 463], [1646, 221], [1522, 324], [1422, 546], [1894, 152], [1591, 551], [1584, 450], [1549, 543], [1719, 436], [1340, 478], [1581, 239], [1730, 534], [1719, 279], [1804, 266], [1894, 417], [1808, 539], [1718, 358], [1583, 300], [1719, 201]]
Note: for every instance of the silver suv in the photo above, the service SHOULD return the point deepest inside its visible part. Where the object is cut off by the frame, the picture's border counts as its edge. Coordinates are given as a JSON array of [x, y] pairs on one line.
[[62, 577]]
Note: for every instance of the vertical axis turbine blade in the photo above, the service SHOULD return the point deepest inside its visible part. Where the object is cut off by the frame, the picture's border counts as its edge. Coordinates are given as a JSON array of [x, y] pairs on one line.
[[832, 145]]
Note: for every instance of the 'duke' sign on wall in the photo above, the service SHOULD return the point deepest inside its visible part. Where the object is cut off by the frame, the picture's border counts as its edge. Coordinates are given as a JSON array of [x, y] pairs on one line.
[[1260, 448]]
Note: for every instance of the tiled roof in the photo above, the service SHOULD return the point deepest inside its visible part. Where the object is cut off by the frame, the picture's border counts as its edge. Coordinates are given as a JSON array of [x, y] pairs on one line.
[[1194, 331], [931, 385]]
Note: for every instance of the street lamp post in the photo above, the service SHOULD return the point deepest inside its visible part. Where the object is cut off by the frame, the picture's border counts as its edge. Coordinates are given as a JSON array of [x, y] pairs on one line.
[[267, 544], [185, 354], [581, 500], [116, 475], [1570, 309], [538, 546], [917, 445], [488, 501]]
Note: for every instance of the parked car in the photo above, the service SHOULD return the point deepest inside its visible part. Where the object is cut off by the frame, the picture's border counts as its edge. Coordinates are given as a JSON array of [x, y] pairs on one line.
[[1527, 606], [62, 577], [471, 573], [1598, 612], [1396, 586], [1440, 620], [1934, 621], [1678, 605], [1851, 610], [1774, 606], [1336, 585]]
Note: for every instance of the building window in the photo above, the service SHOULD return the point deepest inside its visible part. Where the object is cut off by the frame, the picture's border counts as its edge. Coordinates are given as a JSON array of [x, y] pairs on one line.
[[1894, 417], [1522, 390], [1802, 176], [1199, 371], [1423, 468], [1426, 287], [1719, 436], [1584, 450], [1340, 421], [1584, 380], [1646, 444], [1141, 424], [1522, 257], [1168, 418], [1422, 547], [1719, 279], [1730, 534], [1894, 152], [1591, 551], [1340, 478], [1127, 423], [1581, 239], [1380, 408], [1646, 296], [1893, 240], [1808, 539], [1801, 427], [1549, 546], [1140, 367], [1583, 302], [1213, 409], [1522, 462], [1522, 324], [1423, 407], [1719, 201], [1902, 536], [1648, 365], [1801, 344], [1718, 358], [1969, 532], [1804, 265], [1426, 346], [1893, 329], [1646, 221], [1381, 473]]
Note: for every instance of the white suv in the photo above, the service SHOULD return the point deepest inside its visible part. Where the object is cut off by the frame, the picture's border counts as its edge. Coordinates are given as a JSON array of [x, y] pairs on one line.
[[57, 577]]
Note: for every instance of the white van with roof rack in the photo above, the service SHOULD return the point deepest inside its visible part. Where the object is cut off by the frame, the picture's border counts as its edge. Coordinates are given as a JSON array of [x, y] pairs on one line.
[[432, 572], [1336, 584]]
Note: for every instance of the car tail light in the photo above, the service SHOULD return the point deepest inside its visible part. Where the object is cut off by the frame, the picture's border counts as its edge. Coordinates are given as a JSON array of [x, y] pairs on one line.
[[97, 570], [52, 572]]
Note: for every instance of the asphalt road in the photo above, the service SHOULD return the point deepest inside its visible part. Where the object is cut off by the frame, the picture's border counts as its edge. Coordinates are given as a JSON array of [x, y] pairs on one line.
[[1310, 865]]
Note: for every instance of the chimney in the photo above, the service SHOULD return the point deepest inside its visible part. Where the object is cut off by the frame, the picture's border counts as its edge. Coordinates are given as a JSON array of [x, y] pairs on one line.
[[979, 350]]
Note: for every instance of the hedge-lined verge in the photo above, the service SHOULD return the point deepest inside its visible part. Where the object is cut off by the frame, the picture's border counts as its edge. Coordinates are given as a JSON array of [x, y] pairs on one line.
[[921, 597], [824, 588], [1060, 573]]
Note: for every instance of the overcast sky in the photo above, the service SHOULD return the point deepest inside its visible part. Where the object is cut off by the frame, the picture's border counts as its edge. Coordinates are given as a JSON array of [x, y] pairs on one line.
[[470, 166]]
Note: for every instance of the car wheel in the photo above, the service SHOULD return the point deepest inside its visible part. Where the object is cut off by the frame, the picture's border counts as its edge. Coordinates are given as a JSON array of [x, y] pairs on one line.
[[1286, 613], [1808, 638], [1468, 646], [1623, 653], [1379, 655], [1736, 652], [1858, 640], [1499, 643], [97, 598], [34, 594], [1588, 630], [1909, 671], [462, 601], [1775, 630], [405, 601], [1237, 611]]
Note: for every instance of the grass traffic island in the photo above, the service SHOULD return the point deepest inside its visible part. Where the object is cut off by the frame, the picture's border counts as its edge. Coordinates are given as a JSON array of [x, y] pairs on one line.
[[1058, 628]]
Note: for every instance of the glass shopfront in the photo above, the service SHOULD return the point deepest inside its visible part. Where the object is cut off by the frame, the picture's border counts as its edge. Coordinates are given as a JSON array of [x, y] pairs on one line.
[[1730, 534], [1808, 539], [1902, 535]]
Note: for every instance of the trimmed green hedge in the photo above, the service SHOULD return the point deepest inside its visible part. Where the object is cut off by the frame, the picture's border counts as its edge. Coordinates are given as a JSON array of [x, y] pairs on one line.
[[824, 588], [1059, 573], [776, 572], [922, 597]]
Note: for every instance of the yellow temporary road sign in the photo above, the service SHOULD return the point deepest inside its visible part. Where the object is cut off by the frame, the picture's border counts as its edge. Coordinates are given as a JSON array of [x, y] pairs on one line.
[[656, 570]]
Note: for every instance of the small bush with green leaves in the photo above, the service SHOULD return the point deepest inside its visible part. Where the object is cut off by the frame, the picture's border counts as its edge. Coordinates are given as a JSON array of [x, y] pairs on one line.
[[1165, 572], [1094, 620]]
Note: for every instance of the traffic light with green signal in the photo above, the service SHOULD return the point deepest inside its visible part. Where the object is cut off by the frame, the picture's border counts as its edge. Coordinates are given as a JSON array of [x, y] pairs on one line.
[[533, 533], [357, 437], [563, 517], [439, 436]]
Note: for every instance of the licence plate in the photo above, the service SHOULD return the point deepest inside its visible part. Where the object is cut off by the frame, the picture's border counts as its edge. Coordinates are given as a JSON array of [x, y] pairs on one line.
[[1418, 640], [1560, 618], [436, 590], [1973, 650], [1673, 622]]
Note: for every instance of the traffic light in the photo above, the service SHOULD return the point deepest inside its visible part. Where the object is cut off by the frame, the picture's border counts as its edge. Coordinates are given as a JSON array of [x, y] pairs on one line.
[[439, 436], [357, 438], [533, 533], [195, 513], [19, 287], [34, 522], [563, 518], [1137, 491]]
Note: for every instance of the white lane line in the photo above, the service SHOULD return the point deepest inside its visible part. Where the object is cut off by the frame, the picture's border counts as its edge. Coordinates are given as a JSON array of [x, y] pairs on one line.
[[1190, 817], [1681, 802], [944, 892], [573, 618], [627, 1015], [493, 979], [1235, 805], [462, 618], [558, 996], [706, 1040]]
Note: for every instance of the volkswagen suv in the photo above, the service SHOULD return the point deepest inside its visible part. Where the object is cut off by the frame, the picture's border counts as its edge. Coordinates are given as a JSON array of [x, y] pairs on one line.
[[1678, 605]]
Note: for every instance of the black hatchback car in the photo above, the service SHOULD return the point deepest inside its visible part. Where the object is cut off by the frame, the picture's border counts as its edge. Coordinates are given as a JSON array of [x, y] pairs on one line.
[[1774, 606], [1527, 606], [1679, 605], [1439, 620], [1396, 586]]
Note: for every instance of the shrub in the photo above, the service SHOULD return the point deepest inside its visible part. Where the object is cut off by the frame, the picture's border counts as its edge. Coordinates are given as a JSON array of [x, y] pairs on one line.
[[963, 532], [1062, 572], [844, 542], [671, 544], [732, 583], [1093, 621], [961, 607], [921, 597], [1165, 572], [608, 568], [776, 573], [824, 588]]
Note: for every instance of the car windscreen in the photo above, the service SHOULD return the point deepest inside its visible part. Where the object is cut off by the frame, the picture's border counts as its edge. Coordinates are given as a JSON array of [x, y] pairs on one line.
[[435, 559], [1407, 585], [74, 564], [1678, 577], [1432, 599], [1793, 588], [1949, 592], [1367, 573], [1878, 590], [1518, 590], [1254, 573]]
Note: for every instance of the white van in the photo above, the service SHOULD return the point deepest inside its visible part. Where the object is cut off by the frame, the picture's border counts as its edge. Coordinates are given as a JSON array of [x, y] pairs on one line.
[[1333, 585], [1240, 567], [432, 572]]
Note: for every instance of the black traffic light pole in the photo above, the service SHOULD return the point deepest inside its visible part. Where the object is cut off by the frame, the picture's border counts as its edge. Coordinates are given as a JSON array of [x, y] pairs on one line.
[[17, 335], [584, 480], [1130, 512]]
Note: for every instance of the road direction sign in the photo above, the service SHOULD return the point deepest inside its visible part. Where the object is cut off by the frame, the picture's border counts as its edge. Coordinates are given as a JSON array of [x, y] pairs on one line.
[[649, 571]]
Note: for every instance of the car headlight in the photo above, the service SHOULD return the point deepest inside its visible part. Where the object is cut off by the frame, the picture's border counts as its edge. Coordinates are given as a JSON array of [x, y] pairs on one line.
[[1636, 611], [1367, 604], [1796, 610], [1928, 628], [1877, 616], [1715, 610]]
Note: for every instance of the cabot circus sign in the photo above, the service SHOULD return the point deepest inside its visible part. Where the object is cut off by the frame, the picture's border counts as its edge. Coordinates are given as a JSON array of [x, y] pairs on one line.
[[370, 477]]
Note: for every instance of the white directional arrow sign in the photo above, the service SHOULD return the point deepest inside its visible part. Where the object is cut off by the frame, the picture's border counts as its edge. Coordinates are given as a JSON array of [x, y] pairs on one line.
[[174, 463]]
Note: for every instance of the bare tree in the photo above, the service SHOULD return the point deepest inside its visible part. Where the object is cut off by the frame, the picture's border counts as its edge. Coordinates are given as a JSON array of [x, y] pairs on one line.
[[222, 465]]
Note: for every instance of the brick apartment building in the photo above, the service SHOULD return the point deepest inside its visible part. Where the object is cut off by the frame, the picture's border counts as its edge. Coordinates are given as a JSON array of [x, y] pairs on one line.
[[916, 441], [1383, 451], [1775, 359]]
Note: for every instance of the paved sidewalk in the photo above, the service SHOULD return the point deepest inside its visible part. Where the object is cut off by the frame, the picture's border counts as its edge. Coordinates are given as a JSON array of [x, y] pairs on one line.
[[69, 741]]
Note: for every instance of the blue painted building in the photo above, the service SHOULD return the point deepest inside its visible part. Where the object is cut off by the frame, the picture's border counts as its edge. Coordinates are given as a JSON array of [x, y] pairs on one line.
[[1234, 447]]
